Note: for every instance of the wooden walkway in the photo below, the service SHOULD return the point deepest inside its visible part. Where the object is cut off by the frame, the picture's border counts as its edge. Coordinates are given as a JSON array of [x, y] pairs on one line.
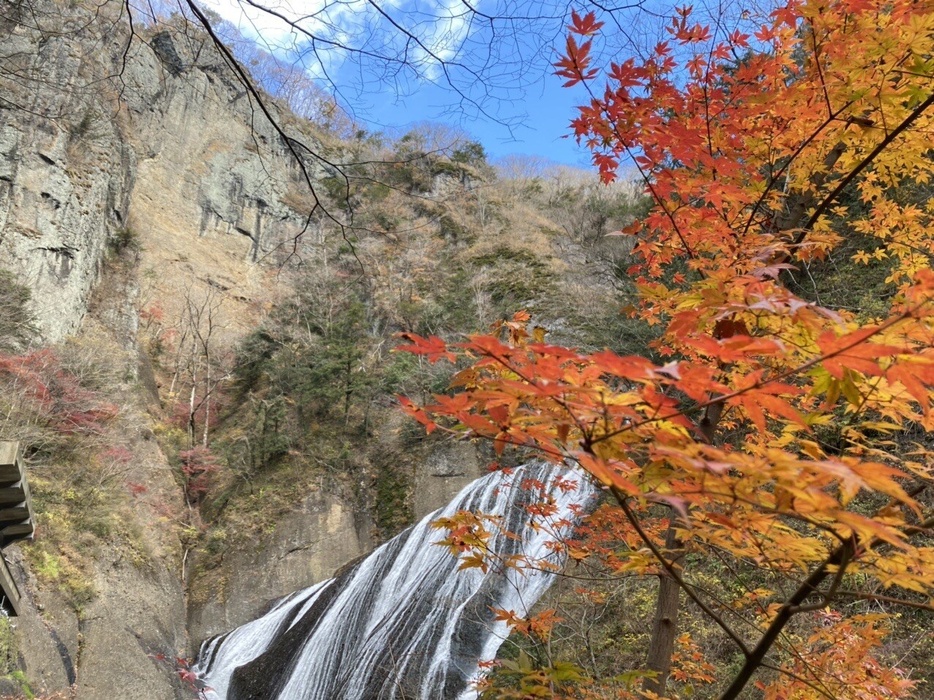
[[16, 517]]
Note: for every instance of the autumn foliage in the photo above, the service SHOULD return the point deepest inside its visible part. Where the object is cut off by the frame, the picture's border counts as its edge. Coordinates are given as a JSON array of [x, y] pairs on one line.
[[200, 467], [52, 396], [781, 435]]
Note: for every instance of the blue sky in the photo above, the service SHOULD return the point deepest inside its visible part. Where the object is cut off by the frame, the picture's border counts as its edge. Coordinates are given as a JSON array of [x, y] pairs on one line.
[[540, 120], [516, 106], [482, 65]]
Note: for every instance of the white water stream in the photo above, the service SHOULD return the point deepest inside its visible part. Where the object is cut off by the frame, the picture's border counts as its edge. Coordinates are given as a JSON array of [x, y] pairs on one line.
[[405, 622]]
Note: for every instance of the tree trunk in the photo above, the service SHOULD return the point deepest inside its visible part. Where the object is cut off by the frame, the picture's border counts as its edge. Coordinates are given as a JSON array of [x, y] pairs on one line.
[[665, 626], [348, 388], [207, 399], [191, 416]]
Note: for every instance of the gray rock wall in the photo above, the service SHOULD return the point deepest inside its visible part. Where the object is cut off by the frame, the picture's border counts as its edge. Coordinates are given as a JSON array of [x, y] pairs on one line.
[[154, 136], [65, 170], [124, 642], [323, 534], [447, 468], [210, 164]]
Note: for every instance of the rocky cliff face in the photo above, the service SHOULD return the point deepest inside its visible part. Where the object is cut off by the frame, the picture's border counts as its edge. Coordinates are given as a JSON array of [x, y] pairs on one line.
[[212, 177], [104, 135], [110, 139], [65, 171]]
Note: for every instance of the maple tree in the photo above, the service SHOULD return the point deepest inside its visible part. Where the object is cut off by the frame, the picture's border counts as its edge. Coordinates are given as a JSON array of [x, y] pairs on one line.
[[784, 435], [44, 394], [199, 469]]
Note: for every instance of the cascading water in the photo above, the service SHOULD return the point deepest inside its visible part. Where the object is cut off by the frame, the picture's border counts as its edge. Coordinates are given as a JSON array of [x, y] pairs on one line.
[[405, 622]]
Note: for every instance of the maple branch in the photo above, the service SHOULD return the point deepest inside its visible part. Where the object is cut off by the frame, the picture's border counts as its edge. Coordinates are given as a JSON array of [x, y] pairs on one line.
[[827, 596], [820, 72], [775, 176], [829, 199], [727, 608], [706, 87], [669, 567], [587, 435], [875, 597], [801, 679], [764, 382], [590, 440], [922, 528], [756, 658], [642, 174], [656, 196], [836, 561]]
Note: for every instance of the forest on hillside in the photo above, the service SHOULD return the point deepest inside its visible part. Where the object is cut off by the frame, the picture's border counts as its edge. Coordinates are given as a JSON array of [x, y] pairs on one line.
[[728, 326]]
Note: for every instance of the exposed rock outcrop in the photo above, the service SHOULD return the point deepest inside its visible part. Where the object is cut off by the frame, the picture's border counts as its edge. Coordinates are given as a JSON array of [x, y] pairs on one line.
[[213, 177], [448, 468], [126, 627], [65, 170], [152, 140], [307, 546]]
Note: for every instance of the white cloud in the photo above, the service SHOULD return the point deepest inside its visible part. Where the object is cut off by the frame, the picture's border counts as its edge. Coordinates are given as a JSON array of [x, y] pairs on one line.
[[450, 31], [249, 20], [441, 26]]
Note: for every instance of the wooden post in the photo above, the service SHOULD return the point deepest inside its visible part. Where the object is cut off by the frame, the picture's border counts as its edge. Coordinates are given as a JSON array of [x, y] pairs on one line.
[[11, 594], [16, 517]]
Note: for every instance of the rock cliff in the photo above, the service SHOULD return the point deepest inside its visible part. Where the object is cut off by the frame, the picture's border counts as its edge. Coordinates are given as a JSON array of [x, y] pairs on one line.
[[66, 171], [114, 139], [106, 135]]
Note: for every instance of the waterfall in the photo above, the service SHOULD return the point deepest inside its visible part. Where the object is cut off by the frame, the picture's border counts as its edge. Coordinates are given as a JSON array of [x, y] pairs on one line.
[[404, 623]]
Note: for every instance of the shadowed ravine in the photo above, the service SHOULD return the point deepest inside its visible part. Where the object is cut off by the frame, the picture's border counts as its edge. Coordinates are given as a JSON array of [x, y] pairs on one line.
[[404, 622]]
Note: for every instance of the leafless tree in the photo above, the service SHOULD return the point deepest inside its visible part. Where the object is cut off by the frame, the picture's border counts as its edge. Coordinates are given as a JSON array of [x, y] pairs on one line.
[[199, 366]]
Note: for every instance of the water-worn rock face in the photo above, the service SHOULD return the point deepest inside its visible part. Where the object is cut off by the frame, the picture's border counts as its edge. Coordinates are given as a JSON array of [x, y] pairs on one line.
[[308, 545]]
